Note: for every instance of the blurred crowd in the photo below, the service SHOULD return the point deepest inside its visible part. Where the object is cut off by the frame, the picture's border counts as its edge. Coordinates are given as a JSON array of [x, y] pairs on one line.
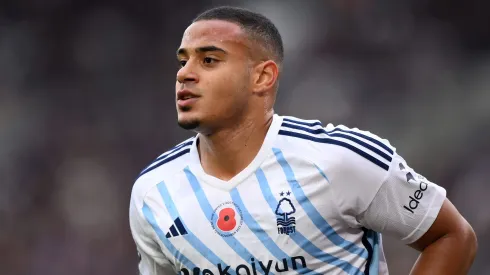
[[87, 101]]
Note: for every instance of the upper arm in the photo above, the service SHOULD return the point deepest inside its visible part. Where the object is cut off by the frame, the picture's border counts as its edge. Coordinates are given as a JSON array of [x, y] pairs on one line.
[[449, 221]]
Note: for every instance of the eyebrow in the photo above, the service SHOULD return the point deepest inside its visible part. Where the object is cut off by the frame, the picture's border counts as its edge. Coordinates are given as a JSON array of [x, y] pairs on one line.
[[183, 51]]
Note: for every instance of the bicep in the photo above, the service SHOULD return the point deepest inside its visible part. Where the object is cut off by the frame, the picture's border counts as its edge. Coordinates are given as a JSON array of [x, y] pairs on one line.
[[448, 221]]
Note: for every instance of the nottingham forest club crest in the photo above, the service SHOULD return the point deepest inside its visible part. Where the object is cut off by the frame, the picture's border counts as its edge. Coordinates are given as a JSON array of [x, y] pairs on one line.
[[286, 223]]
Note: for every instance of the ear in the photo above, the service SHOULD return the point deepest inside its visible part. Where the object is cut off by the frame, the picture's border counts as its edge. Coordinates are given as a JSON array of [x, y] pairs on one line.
[[265, 76]]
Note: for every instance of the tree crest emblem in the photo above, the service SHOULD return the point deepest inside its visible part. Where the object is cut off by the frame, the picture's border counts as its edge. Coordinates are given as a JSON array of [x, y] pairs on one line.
[[286, 223]]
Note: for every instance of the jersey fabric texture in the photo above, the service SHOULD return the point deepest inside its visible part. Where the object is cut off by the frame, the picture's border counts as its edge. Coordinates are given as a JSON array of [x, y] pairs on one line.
[[315, 200]]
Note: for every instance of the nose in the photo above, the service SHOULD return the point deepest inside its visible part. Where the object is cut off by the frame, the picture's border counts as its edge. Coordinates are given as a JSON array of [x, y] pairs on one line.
[[186, 74]]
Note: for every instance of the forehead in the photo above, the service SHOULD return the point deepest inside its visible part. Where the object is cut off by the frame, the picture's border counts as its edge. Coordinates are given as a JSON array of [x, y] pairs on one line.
[[213, 32]]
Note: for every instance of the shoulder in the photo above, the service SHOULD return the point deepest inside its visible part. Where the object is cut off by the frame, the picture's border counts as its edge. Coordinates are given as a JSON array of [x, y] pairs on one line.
[[338, 145], [165, 165]]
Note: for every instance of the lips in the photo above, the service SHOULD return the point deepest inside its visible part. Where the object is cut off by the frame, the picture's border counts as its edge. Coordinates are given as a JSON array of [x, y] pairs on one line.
[[185, 94], [185, 98]]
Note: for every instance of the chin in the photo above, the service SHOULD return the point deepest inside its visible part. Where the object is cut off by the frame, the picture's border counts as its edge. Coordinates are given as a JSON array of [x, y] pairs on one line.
[[188, 123]]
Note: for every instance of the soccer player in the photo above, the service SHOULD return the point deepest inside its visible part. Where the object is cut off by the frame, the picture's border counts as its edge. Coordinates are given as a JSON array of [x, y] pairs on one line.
[[258, 193]]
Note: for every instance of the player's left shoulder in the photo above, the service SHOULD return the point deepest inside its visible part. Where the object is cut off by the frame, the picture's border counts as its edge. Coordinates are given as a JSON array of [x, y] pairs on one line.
[[337, 147], [359, 154], [300, 136], [362, 134], [342, 137]]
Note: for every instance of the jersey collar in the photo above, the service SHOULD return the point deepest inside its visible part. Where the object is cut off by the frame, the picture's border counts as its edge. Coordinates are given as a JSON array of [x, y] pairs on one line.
[[264, 152]]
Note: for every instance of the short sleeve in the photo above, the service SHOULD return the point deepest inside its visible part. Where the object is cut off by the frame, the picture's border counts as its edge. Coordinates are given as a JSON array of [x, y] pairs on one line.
[[357, 164], [373, 187], [406, 204], [151, 260]]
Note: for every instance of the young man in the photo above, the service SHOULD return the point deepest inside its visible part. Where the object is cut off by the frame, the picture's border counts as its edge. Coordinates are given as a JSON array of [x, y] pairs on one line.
[[258, 193]]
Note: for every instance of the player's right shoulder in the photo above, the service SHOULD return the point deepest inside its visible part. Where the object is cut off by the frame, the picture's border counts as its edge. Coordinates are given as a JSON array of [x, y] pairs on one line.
[[164, 166]]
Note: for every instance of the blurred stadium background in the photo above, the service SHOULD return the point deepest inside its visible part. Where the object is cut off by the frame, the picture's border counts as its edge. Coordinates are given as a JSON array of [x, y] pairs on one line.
[[87, 100]]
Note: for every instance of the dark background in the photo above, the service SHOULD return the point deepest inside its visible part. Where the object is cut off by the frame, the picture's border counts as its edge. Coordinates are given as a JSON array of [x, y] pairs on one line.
[[87, 101]]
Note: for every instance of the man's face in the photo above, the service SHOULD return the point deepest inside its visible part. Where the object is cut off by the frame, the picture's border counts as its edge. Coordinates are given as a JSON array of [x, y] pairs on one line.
[[212, 83]]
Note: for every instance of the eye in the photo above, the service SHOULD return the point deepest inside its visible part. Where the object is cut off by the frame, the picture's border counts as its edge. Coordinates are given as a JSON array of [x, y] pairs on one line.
[[182, 63], [209, 60]]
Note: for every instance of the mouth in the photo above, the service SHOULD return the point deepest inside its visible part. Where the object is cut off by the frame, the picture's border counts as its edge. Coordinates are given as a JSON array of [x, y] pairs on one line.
[[185, 94], [186, 98]]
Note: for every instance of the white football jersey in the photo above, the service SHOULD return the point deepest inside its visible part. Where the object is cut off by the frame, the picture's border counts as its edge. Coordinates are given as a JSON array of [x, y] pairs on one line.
[[315, 200]]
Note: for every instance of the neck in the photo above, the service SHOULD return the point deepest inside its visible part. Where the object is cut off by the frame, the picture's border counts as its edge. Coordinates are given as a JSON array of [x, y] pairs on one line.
[[226, 152]]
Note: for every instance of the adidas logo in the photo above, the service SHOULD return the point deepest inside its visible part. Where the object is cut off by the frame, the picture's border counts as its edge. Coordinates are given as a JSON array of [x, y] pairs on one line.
[[177, 229]]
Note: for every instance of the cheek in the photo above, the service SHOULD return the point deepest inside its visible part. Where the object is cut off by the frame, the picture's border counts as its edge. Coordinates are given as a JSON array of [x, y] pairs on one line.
[[232, 91], [224, 86], [226, 89]]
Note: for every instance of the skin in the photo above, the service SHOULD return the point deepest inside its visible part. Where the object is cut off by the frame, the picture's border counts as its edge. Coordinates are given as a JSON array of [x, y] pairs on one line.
[[234, 110], [448, 247], [236, 94]]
